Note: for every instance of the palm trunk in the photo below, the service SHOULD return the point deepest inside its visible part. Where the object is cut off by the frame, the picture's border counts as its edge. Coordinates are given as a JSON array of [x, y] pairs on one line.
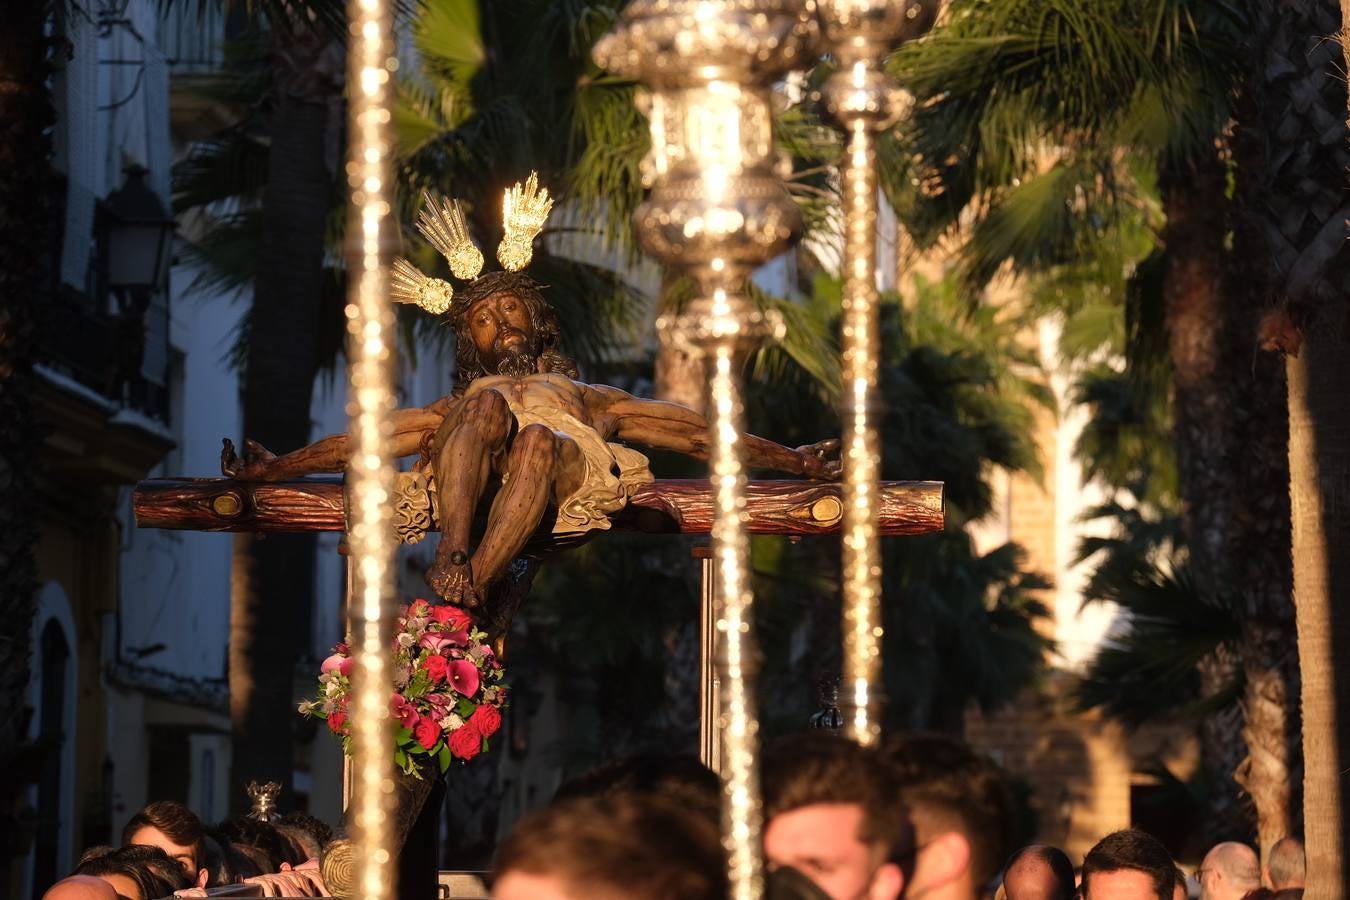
[[25, 216], [272, 585], [1196, 320], [1319, 465], [1319, 462]]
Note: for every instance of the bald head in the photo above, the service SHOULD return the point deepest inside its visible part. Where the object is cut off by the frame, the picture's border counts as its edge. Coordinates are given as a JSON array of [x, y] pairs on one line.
[[1229, 871], [1286, 865], [80, 887], [1038, 872]]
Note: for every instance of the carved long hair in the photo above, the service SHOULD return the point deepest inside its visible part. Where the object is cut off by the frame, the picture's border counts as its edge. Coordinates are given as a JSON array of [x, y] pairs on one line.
[[468, 362]]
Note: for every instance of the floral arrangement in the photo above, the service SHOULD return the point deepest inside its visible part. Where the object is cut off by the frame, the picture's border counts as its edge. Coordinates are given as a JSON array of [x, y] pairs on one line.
[[448, 692]]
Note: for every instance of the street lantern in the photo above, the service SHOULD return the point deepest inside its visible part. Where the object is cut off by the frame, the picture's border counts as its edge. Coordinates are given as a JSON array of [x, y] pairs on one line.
[[136, 234]]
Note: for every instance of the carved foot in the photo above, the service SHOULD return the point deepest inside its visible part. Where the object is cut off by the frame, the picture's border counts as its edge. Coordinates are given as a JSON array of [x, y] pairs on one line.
[[452, 581]]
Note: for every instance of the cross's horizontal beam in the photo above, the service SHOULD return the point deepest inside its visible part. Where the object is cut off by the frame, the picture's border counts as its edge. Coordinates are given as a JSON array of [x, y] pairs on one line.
[[674, 506]]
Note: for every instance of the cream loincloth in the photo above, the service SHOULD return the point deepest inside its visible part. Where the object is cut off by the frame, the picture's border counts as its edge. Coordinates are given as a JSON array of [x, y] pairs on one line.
[[613, 472]]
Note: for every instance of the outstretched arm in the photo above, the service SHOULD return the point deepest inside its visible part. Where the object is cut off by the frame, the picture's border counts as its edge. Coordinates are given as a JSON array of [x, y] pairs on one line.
[[670, 426], [331, 453]]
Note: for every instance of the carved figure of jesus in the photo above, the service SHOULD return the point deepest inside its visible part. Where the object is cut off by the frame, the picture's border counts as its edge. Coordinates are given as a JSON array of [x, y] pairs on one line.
[[519, 422]]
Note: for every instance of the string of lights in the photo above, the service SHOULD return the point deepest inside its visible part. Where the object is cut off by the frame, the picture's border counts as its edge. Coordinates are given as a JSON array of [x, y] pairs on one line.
[[371, 473]]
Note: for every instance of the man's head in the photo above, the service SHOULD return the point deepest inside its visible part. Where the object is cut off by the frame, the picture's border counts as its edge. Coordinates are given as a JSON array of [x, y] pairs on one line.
[[678, 777], [1128, 865], [1286, 864], [612, 847], [962, 813], [136, 873], [504, 326], [1229, 871], [171, 827], [830, 811], [1038, 872], [81, 887]]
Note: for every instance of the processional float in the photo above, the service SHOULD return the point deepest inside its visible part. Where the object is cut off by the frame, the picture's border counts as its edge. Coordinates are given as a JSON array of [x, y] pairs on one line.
[[717, 210]]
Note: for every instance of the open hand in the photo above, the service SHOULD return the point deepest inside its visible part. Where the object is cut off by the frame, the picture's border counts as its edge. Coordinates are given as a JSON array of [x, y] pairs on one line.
[[820, 461], [253, 467]]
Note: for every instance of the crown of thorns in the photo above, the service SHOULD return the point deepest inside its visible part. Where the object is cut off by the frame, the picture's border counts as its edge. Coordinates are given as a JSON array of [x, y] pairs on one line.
[[525, 208]]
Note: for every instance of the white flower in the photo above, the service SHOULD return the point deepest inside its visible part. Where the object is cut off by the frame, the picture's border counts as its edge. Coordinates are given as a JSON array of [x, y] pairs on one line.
[[405, 639], [452, 722]]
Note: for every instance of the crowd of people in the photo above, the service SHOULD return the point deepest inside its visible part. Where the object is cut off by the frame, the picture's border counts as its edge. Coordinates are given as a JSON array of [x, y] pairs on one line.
[[924, 817]]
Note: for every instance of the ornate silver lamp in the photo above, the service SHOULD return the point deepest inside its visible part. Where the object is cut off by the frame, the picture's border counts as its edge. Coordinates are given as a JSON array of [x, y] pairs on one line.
[[717, 210], [862, 101]]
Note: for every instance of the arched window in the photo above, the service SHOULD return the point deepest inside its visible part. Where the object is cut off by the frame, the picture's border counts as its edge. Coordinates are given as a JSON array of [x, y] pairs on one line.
[[51, 694]]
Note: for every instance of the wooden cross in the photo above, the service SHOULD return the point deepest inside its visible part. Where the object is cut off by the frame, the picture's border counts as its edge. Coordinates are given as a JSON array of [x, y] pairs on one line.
[[672, 506]]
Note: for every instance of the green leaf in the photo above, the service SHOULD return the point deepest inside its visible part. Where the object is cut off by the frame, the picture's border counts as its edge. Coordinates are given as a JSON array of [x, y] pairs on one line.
[[401, 760], [402, 735], [443, 757], [465, 708]]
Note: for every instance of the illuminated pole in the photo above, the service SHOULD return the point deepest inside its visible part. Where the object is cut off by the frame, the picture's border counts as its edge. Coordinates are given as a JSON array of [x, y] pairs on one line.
[[370, 471], [862, 101], [717, 210]]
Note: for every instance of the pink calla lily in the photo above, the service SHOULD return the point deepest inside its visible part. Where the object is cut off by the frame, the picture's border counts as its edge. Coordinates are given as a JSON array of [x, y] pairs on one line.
[[464, 677]]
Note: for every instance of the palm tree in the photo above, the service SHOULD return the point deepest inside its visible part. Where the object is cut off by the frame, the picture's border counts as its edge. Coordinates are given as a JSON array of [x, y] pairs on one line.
[[1291, 155], [284, 165], [1062, 115], [26, 117]]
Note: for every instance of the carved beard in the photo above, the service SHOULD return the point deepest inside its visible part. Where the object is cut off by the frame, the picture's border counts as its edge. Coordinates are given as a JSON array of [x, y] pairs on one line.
[[517, 362]]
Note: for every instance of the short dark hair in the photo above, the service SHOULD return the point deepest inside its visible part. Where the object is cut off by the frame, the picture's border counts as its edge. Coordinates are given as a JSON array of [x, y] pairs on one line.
[[140, 864], [468, 362], [157, 861], [635, 845], [216, 861], [1132, 849], [320, 830], [258, 835], [178, 823], [675, 776], [945, 782], [822, 768], [1054, 859]]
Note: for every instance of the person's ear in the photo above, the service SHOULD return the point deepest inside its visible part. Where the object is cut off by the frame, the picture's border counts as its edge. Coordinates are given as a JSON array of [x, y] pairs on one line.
[[201, 878], [946, 858], [887, 884]]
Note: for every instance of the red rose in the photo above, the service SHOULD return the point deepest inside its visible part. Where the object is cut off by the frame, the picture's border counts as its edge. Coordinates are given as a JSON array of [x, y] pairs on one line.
[[427, 733], [486, 719], [453, 616], [438, 667], [337, 722], [465, 742]]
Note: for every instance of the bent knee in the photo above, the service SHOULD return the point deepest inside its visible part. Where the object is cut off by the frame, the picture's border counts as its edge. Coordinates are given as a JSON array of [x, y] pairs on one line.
[[537, 437], [486, 403]]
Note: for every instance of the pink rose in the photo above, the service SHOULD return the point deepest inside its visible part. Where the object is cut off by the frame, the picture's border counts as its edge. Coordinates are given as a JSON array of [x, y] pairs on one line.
[[402, 710], [486, 719], [343, 665], [437, 667], [427, 733], [337, 722], [465, 742], [456, 618], [341, 648], [464, 677]]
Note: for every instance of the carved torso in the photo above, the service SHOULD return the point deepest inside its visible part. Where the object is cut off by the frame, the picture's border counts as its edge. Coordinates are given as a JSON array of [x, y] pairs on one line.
[[547, 390]]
